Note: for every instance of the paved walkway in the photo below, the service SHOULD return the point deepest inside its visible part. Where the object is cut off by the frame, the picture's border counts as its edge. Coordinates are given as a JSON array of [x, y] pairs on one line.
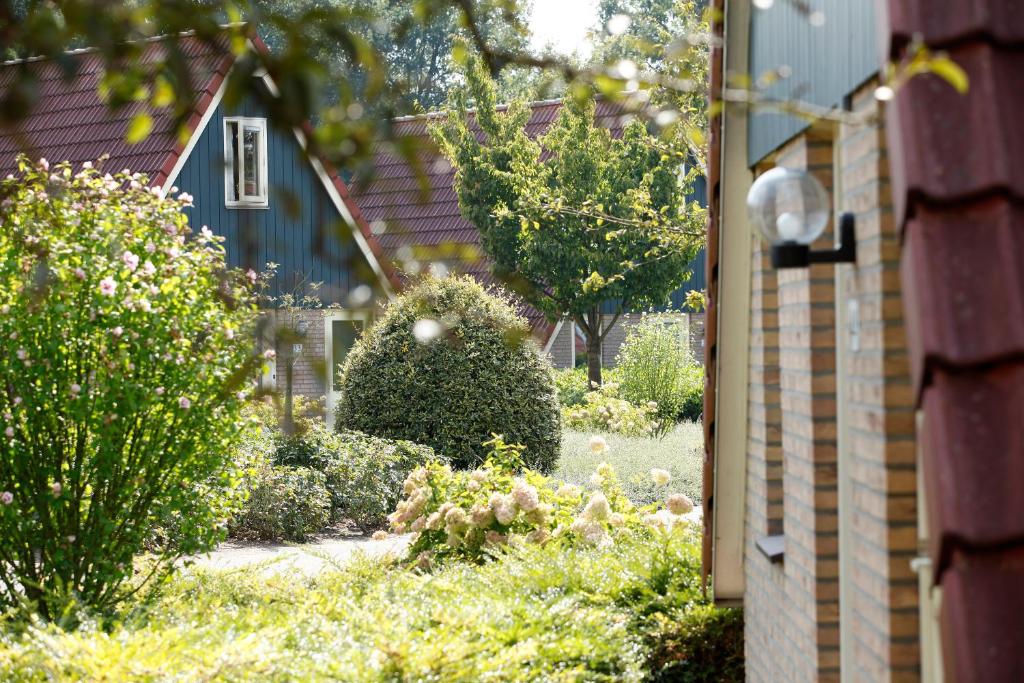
[[309, 558]]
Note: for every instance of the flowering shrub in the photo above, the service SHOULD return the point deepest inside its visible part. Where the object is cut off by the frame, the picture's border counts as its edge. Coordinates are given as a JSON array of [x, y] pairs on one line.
[[603, 410], [447, 364], [466, 514], [125, 353]]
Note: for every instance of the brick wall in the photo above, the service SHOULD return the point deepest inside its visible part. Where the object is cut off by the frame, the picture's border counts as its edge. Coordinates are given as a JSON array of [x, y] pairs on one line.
[[310, 368], [881, 419], [792, 608]]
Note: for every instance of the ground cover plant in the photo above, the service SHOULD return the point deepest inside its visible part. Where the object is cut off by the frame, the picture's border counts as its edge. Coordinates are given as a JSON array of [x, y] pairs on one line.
[[619, 612], [680, 453], [445, 366], [125, 363]]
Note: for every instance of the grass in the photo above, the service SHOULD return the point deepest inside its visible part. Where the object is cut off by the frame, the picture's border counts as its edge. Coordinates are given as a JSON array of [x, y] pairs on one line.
[[537, 614], [680, 452]]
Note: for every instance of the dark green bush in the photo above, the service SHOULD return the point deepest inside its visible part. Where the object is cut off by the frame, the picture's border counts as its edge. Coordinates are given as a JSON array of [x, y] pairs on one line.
[[285, 503], [692, 405], [366, 476], [448, 365], [362, 475], [704, 644]]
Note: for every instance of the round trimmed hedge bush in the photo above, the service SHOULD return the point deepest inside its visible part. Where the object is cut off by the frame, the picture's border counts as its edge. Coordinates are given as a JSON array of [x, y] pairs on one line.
[[448, 365]]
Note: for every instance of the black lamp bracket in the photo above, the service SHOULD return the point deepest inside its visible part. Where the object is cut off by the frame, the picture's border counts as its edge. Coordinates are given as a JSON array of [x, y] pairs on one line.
[[796, 255]]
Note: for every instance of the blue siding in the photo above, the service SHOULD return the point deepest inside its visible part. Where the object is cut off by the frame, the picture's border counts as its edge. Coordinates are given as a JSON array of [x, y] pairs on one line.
[[301, 231], [826, 62]]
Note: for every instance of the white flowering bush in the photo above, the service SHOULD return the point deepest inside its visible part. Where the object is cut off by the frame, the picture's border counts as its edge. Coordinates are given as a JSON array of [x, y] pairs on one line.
[[125, 353], [467, 515], [602, 409]]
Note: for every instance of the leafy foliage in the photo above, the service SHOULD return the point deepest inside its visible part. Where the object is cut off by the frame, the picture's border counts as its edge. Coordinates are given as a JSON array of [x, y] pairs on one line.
[[356, 477], [655, 367], [125, 360], [537, 613], [575, 218], [446, 365], [365, 478], [573, 386], [284, 503], [701, 645], [666, 40], [603, 410]]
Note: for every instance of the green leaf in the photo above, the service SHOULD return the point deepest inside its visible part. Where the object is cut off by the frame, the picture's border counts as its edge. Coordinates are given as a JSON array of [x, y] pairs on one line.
[[949, 71], [164, 93], [139, 128]]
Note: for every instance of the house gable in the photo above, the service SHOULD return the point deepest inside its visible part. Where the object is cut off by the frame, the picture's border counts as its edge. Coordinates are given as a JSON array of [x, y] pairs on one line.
[[302, 229]]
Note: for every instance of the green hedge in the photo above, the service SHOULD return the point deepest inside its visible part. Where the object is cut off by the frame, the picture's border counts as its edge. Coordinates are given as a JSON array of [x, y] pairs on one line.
[[447, 365], [285, 503]]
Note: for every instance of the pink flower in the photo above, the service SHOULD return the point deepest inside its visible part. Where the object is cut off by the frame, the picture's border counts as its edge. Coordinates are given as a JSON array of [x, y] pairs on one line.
[[117, 331], [270, 353], [130, 260], [107, 286], [148, 268], [17, 400], [159, 391], [9, 432], [79, 273], [150, 247], [6, 497], [229, 333], [185, 198], [174, 252], [56, 488], [206, 234], [22, 354], [76, 389], [251, 274], [184, 403], [44, 164]]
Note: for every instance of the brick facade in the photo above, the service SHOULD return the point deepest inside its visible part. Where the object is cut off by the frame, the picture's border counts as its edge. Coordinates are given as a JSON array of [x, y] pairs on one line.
[[792, 608], [881, 417]]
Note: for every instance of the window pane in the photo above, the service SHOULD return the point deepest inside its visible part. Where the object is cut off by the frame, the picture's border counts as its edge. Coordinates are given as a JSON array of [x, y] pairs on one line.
[[233, 160], [251, 149], [344, 334]]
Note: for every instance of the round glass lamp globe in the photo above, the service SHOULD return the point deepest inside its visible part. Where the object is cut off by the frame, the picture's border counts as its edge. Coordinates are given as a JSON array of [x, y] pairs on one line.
[[788, 206]]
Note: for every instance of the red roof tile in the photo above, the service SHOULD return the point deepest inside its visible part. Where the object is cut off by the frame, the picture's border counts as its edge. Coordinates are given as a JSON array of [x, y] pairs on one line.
[[958, 185], [431, 225], [71, 123]]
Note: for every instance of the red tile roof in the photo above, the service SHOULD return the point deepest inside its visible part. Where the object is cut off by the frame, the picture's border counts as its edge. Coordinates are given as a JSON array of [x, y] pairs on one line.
[[430, 227], [958, 189], [71, 123]]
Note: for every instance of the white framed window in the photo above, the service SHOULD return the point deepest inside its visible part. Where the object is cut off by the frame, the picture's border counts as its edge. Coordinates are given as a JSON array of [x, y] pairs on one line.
[[245, 167]]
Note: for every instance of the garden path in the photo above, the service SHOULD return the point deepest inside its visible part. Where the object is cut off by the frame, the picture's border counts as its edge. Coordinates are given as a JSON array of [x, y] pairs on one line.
[[308, 558]]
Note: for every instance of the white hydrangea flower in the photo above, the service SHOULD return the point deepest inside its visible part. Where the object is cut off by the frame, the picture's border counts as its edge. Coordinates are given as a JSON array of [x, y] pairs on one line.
[[660, 476], [597, 507], [679, 504], [525, 495]]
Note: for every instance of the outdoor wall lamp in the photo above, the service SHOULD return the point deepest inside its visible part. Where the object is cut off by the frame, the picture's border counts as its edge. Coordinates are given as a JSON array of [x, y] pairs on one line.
[[791, 209]]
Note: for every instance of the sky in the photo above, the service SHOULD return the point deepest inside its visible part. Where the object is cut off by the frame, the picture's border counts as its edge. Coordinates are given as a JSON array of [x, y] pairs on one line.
[[564, 23]]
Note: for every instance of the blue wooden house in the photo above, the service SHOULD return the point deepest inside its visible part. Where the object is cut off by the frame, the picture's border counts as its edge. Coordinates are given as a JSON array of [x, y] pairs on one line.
[[252, 182]]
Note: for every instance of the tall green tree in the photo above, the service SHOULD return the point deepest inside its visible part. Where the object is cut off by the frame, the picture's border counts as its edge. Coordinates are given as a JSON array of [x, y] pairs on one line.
[[665, 41], [575, 218], [414, 40]]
